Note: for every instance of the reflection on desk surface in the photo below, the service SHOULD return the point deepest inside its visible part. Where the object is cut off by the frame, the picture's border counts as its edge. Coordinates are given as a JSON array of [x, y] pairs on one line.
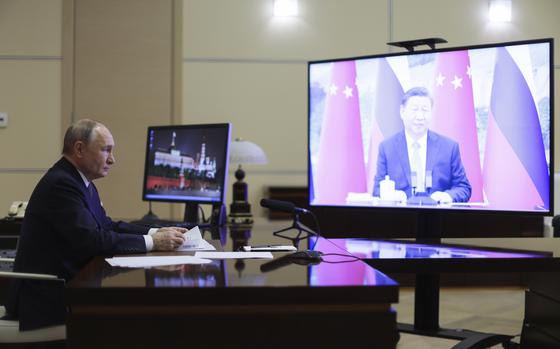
[[380, 249], [338, 268], [206, 275]]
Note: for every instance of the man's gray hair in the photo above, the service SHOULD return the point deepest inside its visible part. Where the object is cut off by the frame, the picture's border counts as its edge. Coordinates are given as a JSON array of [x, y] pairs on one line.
[[81, 130], [416, 92]]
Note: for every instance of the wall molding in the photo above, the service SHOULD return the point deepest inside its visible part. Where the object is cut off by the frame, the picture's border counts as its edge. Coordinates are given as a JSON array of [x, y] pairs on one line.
[[227, 60], [29, 58], [261, 172], [23, 170], [243, 60]]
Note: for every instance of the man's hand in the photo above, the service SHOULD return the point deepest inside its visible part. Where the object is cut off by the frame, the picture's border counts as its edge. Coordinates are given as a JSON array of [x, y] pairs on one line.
[[168, 238], [442, 197]]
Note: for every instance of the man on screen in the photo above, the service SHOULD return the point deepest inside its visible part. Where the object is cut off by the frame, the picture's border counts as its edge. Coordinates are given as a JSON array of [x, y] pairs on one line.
[[65, 226], [420, 161]]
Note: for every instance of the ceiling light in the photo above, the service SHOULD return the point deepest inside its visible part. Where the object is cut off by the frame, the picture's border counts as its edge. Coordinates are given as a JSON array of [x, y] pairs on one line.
[[499, 11], [285, 8]]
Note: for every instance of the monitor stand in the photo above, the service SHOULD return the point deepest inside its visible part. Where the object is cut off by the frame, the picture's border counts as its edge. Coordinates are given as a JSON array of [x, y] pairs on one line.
[[429, 226], [426, 290], [150, 216], [217, 217], [191, 213]]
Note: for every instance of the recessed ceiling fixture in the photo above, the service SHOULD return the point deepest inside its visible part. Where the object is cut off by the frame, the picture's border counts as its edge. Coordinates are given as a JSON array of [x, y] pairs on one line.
[[285, 8], [499, 11]]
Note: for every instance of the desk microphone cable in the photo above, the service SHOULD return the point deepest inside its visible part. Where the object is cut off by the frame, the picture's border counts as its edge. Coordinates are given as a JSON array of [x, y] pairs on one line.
[[318, 233], [352, 258], [202, 215]]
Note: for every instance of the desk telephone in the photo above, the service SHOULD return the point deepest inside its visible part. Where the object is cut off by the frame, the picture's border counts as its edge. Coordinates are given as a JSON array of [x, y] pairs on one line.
[[17, 209]]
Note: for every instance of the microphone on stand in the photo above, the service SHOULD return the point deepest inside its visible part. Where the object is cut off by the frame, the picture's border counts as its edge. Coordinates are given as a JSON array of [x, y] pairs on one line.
[[428, 181], [284, 206], [413, 182]]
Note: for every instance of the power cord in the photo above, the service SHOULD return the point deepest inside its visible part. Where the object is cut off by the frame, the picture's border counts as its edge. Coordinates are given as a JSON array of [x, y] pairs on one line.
[[352, 258], [318, 233], [203, 217], [317, 228]]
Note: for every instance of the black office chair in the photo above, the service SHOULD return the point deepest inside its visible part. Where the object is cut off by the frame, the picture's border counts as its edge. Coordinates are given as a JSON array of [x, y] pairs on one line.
[[12, 337]]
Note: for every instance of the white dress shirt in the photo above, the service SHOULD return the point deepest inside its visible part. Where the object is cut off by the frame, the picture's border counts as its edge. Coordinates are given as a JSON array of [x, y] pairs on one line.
[[423, 150]]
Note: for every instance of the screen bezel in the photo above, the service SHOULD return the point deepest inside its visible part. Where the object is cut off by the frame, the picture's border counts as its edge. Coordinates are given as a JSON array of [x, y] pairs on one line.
[[226, 126], [353, 210]]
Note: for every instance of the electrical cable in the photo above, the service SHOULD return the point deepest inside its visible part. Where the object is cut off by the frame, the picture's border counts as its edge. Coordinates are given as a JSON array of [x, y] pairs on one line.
[[317, 228], [353, 258]]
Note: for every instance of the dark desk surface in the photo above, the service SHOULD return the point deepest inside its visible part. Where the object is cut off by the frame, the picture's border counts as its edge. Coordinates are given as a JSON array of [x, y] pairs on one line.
[[392, 256], [242, 280], [228, 282], [428, 261], [227, 301], [236, 296]]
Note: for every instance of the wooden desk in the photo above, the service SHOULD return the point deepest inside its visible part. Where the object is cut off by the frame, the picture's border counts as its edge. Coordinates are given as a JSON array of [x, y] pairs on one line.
[[232, 303], [427, 261]]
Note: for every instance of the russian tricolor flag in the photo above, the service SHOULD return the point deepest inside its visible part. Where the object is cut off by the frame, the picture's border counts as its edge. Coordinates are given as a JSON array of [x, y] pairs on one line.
[[386, 115], [515, 170]]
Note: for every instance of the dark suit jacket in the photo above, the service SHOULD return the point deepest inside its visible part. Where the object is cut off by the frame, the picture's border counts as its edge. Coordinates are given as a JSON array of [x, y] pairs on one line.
[[64, 227], [442, 158]]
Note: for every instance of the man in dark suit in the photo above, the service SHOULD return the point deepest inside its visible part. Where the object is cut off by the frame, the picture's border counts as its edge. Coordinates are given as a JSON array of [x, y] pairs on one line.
[[65, 226], [420, 161]]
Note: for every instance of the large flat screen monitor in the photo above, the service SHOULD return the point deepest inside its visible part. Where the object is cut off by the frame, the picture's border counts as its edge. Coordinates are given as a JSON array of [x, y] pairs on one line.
[[461, 129], [187, 163]]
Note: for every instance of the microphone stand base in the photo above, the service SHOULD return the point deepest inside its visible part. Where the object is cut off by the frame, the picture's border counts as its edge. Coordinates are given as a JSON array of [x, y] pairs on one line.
[[300, 227]]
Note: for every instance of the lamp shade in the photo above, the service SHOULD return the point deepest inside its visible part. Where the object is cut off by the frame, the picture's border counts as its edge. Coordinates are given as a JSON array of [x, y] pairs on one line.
[[245, 152]]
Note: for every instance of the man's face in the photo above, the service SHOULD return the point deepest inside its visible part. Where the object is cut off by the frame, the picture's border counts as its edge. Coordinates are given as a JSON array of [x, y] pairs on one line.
[[96, 158], [416, 115]]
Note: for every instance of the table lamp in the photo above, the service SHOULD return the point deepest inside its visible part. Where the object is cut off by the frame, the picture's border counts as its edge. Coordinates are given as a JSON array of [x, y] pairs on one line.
[[243, 152]]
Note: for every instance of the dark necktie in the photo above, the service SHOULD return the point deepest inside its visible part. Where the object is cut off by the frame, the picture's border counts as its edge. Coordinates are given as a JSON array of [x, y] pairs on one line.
[[94, 204], [90, 191]]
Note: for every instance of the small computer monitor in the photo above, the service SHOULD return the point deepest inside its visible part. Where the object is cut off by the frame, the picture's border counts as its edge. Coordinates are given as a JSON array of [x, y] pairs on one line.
[[187, 163]]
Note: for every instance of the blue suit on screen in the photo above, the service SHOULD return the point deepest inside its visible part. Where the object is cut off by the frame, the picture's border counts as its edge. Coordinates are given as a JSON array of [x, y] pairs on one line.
[[442, 158]]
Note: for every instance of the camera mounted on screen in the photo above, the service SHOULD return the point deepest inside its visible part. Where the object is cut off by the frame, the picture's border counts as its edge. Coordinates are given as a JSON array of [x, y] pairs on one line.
[[409, 45]]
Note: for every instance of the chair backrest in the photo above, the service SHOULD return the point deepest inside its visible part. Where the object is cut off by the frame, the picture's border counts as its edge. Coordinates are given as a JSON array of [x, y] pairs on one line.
[[27, 276], [9, 329], [6, 264], [6, 275]]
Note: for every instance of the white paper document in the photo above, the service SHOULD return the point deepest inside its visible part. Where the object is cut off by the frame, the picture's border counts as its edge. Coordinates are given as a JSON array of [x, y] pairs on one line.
[[154, 261], [233, 255], [195, 242]]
